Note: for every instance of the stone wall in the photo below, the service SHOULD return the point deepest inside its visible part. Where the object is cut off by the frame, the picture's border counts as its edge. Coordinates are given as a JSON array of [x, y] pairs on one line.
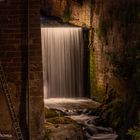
[[75, 13], [115, 38], [22, 65], [116, 54]]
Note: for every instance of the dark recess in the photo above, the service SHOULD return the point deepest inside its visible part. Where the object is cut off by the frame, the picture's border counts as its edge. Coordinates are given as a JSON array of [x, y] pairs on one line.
[[86, 63], [24, 75]]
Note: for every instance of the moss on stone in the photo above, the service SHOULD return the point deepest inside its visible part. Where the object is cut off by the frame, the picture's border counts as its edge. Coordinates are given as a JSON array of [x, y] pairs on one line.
[[100, 93], [95, 90], [66, 15], [92, 72], [60, 120], [50, 113]]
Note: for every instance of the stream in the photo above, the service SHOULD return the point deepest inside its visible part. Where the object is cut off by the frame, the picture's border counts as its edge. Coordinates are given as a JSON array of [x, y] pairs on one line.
[[80, 110]]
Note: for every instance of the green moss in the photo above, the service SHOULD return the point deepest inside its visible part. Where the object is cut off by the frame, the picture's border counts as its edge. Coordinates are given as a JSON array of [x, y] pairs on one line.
[[100, 91], [66, 15], [50, 113], [61, 120], [135, 131], [95, 90], [92, 72]]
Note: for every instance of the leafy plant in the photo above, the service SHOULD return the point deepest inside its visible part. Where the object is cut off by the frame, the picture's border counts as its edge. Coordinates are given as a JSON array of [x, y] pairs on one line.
[[135, 131]]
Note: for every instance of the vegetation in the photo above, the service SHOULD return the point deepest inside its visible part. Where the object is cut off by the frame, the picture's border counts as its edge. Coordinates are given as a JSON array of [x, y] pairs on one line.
[[115, 114], [60, 120], [50, 113], [92, 74], [54, 117], [66, 15], [95, 90], [135, 131]]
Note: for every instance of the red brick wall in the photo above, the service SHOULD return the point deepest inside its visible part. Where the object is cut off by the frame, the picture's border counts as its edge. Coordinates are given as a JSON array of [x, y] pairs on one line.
[[14, 52]]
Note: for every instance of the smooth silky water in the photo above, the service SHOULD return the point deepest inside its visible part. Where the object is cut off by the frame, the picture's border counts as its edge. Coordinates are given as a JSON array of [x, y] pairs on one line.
[[62, 51]]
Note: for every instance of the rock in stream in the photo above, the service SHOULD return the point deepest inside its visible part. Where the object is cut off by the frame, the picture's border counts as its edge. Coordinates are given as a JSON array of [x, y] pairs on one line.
[[81, 125]]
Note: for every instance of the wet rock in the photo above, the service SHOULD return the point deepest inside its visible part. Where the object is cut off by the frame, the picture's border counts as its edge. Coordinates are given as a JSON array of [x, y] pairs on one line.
[[79, 111], [6, 136], [71, 104], [103, 129], [50, 113], [81, 122], [91, 130], [61, 120], [59, 112], [104, 137], [90, 121], [87, 135], [83, 118], [85, 111], [65, 132], [100, 122]]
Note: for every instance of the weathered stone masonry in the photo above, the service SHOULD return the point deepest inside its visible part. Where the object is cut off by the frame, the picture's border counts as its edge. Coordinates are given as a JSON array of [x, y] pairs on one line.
[[14, 58]]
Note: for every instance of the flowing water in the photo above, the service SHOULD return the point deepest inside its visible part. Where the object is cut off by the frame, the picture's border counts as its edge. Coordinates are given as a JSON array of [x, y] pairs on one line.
[[80, 111], [62, 51]]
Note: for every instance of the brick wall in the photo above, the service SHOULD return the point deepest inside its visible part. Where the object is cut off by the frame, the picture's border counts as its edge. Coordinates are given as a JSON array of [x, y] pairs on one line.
[[14, 52], [35, 61]]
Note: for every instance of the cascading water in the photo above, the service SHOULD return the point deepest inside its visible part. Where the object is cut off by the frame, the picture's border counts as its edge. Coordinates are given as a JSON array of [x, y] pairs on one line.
[[62, 51]]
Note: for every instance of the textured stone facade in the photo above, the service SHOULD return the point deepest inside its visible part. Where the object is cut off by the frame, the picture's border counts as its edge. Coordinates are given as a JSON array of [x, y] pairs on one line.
[[113, 42], [79, 13]]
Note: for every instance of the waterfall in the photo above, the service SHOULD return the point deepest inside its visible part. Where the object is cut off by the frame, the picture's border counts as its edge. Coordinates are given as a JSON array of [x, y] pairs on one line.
[[62, 54]]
